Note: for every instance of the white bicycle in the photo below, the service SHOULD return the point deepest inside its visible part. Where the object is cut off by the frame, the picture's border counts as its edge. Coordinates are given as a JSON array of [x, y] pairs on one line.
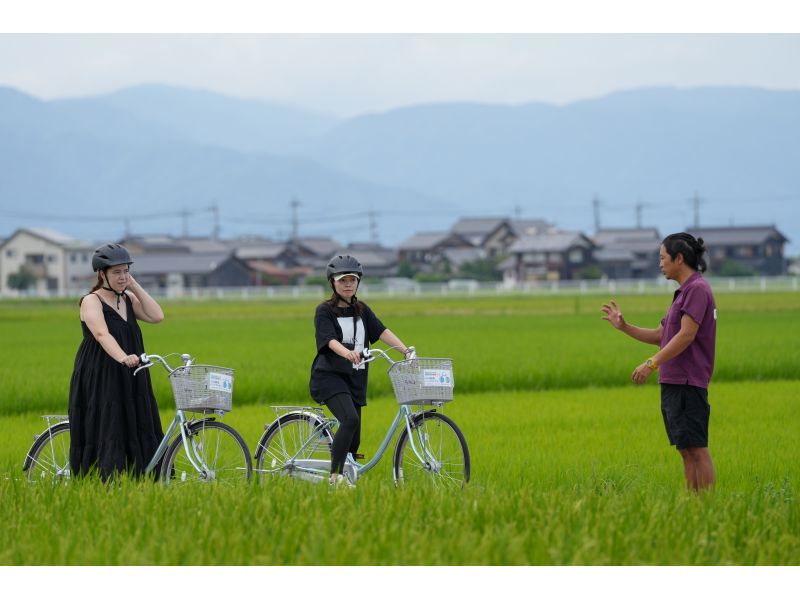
[[429, 449]]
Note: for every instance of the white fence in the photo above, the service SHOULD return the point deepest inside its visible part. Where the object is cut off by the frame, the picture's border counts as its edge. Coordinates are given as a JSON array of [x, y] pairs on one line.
[[457, 288]]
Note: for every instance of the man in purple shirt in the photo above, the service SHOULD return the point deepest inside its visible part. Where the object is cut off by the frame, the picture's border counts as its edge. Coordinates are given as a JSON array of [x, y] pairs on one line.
[[685, 360]]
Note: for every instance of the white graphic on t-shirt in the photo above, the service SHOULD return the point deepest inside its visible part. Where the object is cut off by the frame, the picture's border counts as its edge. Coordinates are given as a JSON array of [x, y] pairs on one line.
[[348, 338]]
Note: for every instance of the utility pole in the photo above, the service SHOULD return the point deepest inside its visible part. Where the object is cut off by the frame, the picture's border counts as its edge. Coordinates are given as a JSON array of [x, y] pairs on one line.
[[373, 227], [517, 211], [596, 203], [696, 201], [294, 204], [185, 217], [638, 206], [214, 209], [127, 227]]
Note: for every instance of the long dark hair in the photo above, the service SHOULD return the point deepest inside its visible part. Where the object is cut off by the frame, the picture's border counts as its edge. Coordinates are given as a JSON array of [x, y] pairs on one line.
[[356, 305], [690, 248], [96, 286]]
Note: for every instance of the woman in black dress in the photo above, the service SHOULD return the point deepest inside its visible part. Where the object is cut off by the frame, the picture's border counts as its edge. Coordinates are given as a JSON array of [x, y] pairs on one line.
[[114, 422], [344, 326]]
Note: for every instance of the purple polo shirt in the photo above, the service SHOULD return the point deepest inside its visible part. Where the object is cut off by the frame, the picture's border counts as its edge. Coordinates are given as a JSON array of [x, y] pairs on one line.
[[695, 364]]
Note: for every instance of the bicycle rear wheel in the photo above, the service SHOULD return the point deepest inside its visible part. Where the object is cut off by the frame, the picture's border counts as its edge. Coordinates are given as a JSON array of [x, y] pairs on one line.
[[48, 458], [291, 438], [441, 458], [217, 448]]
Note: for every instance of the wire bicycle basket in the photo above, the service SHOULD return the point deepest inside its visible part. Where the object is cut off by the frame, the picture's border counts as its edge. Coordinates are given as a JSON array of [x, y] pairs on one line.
[[422, 381], [202, 388]]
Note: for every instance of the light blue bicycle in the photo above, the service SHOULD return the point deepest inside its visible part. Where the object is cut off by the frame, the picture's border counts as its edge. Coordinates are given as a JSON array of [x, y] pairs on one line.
[[430, 448], [200, 450]]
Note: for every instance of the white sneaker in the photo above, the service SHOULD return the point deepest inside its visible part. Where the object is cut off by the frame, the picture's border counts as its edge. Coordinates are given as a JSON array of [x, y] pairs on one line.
[[341, 481]]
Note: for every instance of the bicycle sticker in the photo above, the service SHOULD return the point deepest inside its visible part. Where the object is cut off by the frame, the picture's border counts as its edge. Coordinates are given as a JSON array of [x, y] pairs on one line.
[[437, 378], [221, 382]]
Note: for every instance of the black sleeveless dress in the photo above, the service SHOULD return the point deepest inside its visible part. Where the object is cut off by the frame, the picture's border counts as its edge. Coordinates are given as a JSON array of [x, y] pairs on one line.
[[113, 416]]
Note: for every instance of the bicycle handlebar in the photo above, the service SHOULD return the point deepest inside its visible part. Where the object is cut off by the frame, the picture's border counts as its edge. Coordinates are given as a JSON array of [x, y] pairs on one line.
[[147, 361], [371, 354]]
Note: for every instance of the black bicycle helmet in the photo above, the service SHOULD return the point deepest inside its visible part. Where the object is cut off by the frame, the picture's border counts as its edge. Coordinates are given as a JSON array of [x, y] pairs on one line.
[[111, 254], [343, 264]]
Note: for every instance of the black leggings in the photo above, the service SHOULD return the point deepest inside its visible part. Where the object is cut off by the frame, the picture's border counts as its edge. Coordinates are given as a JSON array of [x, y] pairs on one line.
[[348, 436]]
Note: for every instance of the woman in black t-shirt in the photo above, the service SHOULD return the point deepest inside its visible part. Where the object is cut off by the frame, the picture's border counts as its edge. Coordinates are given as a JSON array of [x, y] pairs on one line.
[[344, 326]]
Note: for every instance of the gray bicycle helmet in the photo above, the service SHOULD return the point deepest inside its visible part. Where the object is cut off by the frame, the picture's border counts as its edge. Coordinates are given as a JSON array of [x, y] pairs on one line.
[[343, 264], [111, 254]]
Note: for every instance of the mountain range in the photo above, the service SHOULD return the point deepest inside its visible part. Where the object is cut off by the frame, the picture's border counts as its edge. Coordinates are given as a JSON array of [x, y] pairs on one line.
[[147, 153]]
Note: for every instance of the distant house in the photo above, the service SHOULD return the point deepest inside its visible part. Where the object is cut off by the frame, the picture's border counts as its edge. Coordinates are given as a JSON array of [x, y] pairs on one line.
[[320, 247], [554, 255], [283, 262], [175, 272], [627, 252], [267, 274], [531, 226], [759, 249], [456, 257], [247, 261], [425, 251], [312, 253], [162, 244], [51, 262], [468, 240], [492, 235], [377, 261], [265, 263], [278, 253]]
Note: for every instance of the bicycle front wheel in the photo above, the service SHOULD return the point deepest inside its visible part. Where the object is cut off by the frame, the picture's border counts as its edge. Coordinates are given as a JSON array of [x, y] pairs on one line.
[[293, 441], [48, 458], [215, 448], [435, 453]]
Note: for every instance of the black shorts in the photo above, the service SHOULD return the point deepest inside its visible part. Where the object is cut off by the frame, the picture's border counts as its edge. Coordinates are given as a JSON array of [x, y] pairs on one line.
[[686, 410]]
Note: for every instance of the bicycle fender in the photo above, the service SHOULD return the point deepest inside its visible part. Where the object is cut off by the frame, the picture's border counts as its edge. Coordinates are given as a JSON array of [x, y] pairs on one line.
[[268, 428], [418, 416], [41, 439]]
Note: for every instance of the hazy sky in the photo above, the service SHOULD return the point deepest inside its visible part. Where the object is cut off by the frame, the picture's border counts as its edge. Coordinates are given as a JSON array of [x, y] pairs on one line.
[[347, 74]]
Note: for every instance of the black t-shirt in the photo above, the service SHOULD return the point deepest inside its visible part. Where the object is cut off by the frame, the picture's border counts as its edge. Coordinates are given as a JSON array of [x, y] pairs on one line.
[[330, 373]]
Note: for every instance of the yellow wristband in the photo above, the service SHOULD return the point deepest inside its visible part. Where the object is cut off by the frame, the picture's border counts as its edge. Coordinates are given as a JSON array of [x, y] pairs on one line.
[[651, 364]]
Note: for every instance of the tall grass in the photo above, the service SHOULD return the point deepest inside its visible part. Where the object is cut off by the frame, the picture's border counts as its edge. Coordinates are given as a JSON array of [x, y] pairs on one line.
[[570, 463], [559, 477], [505, 343]]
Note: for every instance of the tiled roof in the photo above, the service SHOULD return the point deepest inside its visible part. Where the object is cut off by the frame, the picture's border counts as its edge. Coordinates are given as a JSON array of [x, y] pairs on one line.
[[607, 236], [320, 246], [558, 241], [57, 238], [260, 252], [736, 235], [427, 240], [477, 226], [177, 263]]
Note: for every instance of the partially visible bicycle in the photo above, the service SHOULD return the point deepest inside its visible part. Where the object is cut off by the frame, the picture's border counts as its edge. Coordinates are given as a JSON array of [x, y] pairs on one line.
[[199, 449], [429, 449]]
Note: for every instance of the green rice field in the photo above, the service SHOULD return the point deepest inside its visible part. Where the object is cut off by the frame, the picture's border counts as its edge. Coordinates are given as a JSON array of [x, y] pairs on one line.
[[570, 462]]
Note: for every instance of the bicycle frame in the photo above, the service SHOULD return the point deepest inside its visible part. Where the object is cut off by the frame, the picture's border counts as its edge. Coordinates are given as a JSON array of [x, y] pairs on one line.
[[180, 425], [179, 421], [318, 468]]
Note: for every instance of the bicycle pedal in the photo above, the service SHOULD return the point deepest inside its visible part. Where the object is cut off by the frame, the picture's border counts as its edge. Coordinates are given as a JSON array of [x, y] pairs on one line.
[[358, 456]]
